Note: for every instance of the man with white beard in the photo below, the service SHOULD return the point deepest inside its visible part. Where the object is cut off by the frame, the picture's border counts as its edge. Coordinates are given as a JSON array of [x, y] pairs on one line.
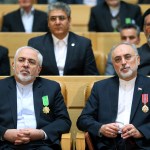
[[31, 108], [117, 111]]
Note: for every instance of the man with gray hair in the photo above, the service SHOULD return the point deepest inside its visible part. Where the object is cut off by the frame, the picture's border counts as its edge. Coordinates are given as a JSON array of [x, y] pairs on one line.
[[117, 111], [64, 52], [31, 108]]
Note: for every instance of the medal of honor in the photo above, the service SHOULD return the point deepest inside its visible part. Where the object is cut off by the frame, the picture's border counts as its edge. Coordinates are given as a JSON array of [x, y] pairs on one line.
[[46, 110], [145, 108], [45, 101]]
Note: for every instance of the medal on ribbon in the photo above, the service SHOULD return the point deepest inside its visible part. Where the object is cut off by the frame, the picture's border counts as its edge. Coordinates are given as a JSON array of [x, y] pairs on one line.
[[45, 101], [145, 108]]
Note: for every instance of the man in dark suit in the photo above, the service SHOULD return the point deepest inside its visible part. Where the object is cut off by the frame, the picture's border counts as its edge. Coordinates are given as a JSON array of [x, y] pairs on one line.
[[33, 114], [25, 19], [67, 1], [144, 50], [110, 15], [64, 52], [128, 33], [4, 62], [117, 111]]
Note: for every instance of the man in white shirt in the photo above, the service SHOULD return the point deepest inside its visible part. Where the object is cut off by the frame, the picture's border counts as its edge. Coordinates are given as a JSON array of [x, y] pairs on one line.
[[25, 19], [31, 108], [117, 111]]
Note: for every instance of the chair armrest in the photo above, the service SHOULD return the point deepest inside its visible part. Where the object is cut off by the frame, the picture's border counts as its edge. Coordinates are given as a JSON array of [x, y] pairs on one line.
[[89, 141], [66, 141], [80, 141]]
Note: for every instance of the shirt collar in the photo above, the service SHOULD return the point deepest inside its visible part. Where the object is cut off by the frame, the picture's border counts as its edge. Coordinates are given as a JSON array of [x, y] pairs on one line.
[[55, 39], [129, 83], [30, 12]]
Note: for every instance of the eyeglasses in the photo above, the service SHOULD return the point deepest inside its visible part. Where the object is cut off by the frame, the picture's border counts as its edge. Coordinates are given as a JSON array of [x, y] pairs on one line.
[[54, 18], [127, 57], [128, 37], [31, 62], [147, 24]]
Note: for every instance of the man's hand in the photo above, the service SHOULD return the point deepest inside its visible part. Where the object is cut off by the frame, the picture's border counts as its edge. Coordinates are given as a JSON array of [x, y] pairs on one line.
[[109, 130], [17, 136], [130, 131]]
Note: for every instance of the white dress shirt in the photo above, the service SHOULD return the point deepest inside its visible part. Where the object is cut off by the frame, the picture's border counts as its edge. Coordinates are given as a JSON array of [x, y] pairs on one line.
[[25, 107], [90, 2], [126, 90], [60, 50], [27, 19]]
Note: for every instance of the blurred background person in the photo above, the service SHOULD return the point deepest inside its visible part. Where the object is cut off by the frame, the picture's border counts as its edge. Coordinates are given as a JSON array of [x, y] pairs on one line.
[[4, 61], [129, 33], [144, 50], [64, 52], [8, 1], [25, 19], [86, 2], [144, 2], [111, 15]]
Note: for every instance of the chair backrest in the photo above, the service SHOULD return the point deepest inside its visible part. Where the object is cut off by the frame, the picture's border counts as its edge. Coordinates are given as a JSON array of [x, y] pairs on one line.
[[63, 91], [101, 60]]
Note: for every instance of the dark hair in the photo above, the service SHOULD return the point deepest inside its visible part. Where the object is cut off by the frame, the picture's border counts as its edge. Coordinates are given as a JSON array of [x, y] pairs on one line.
[[131, 26], [147, 12]]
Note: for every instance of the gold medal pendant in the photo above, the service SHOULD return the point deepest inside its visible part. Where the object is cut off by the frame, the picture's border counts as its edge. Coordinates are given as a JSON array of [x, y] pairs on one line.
[[46, 110], [145, 109]]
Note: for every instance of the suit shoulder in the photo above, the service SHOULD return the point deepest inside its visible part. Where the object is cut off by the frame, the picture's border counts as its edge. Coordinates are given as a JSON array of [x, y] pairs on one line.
[[41, 37], [40, 12], [11, 14], [128, 5], [106, 81], [49, 82], [79, 37], [2, 48]]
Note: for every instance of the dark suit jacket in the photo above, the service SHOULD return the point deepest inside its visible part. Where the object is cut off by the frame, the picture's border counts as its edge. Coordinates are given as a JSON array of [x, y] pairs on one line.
[[12, 22], [100, 17], [144, 52], [79, 61], [144, 2], [46, 1], [54, 123], [4, 61], [102, 106]]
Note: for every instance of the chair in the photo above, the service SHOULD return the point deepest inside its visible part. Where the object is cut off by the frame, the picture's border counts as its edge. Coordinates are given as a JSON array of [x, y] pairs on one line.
[[101, 60], [83, 140], [66, 139]]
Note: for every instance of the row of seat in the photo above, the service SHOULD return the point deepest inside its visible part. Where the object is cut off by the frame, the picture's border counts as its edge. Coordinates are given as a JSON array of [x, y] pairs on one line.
[[75, 90], [80, 14], [101, 42]]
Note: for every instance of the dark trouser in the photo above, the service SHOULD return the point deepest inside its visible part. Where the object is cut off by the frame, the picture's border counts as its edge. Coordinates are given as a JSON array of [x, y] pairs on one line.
[[118, 144], [37, 145]]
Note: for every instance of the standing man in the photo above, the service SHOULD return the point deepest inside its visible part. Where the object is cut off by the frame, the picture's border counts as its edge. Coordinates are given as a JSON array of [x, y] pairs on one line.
[[25, 19], [129, 33], [64, 52], [117, 112], [116, 12], [33, 114]]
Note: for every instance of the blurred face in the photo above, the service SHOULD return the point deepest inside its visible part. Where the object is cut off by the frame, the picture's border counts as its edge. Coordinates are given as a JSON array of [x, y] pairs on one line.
[[58, 23], [25, 3], [113, 3], [130, 36], [125, 62], [146, 27], [26, 66]]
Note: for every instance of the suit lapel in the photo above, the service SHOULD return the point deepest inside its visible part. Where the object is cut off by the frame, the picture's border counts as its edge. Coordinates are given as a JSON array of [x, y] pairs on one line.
[[138, 90], [18, 21], [48, 47], [70, 50], [114, 93], [37, 97], [12, 97]]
